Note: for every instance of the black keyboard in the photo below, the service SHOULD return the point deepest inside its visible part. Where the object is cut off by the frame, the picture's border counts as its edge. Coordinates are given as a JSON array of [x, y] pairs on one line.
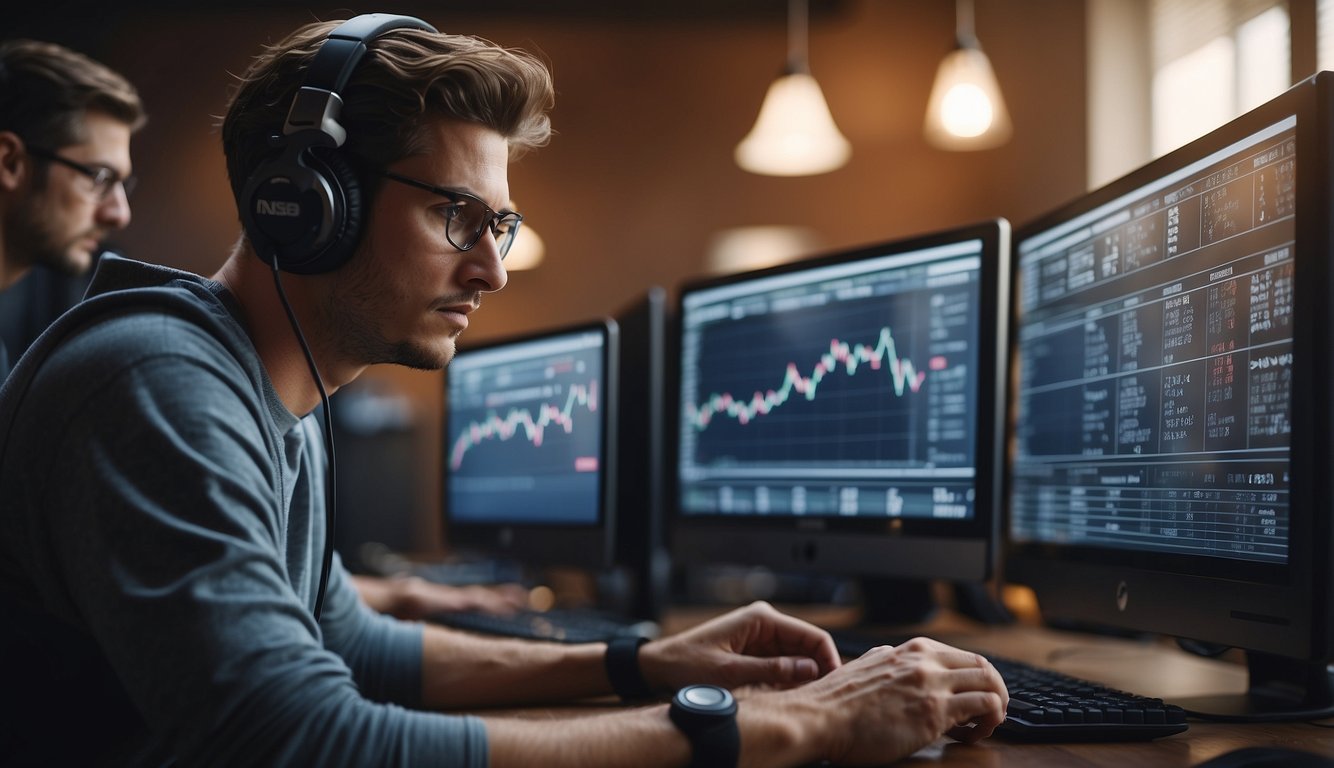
[[1050, 706], [562, 626]]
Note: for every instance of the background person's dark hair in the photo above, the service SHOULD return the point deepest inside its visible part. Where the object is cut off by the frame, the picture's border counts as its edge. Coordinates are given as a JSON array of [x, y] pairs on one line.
[[45, 90], [406, 77]]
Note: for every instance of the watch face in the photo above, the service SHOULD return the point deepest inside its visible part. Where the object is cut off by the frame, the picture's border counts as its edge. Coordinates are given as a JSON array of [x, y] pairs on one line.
[[706, 699]]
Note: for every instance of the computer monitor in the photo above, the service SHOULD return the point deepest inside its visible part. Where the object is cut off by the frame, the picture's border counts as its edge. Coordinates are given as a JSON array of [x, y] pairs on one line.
[[1171, 454], [840, 415], [530, 447]]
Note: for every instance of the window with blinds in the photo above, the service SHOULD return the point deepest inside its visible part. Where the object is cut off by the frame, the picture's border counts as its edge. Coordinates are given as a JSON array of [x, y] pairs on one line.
[[1324, 23], [1213, 60]]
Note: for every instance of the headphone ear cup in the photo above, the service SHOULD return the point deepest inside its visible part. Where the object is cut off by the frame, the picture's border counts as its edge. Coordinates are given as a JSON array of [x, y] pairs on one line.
[[301, 207], [303, 210], [345, 227]]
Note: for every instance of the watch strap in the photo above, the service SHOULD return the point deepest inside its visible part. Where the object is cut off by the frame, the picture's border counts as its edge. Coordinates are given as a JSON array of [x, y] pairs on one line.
[[622, 663], [715, 742]]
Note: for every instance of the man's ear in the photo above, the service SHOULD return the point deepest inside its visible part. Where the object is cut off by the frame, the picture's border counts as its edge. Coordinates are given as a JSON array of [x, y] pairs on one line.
[[15, 163]]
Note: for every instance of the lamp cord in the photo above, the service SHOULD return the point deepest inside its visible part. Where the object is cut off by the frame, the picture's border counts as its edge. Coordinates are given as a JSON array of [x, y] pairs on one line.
[[965, 29], [798, 36]]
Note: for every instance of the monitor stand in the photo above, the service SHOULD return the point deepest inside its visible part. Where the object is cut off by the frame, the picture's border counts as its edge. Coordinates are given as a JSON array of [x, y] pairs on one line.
[[903, 602], [893, 608], [1279, 689], [639, 591], [890, 609], [891, 603]]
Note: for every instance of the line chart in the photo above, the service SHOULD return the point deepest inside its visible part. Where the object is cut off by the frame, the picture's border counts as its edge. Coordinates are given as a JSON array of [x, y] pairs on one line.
[[838, 388], [523, 421], [850, 357]]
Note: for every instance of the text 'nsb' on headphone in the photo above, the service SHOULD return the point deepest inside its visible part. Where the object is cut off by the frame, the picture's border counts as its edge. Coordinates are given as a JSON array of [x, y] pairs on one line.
[[302, 210]]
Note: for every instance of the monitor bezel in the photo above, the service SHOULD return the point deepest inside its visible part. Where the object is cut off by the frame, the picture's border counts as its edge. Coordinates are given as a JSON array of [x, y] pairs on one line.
[[584, 545], [1277, 609], [907, 548]]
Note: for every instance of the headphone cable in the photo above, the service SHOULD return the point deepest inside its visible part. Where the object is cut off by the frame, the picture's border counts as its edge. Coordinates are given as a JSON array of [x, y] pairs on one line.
[[330, 477]]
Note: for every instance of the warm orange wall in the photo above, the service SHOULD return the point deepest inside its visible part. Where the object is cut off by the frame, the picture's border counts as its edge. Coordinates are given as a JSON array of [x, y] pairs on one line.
[[640, 173]]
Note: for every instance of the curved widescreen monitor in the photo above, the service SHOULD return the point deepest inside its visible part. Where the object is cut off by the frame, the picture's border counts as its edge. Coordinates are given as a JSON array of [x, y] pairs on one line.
[[840, 415], [530, 446], [1171, 408]]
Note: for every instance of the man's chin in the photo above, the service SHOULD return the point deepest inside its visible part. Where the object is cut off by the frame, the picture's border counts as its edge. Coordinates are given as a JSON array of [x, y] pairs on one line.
[[75, 260], [423, 358]]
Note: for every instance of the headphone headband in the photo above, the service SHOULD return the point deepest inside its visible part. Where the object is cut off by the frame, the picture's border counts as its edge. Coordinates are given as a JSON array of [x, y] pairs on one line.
[[317, 103]]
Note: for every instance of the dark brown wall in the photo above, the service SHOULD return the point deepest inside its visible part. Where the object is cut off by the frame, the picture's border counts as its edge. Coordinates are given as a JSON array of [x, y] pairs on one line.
[[649, 109], [640, 173]]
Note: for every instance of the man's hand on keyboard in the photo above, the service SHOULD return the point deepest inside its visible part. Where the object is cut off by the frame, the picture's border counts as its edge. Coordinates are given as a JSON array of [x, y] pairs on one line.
[[412, 598], [894, 700], [885, 705]]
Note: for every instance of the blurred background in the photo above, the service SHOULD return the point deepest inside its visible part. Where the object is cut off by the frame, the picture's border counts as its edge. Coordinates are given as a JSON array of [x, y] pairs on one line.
[[640, 185]]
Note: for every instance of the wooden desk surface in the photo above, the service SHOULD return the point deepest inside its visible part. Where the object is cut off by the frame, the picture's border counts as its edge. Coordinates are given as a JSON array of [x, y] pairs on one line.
[[1147, 668]]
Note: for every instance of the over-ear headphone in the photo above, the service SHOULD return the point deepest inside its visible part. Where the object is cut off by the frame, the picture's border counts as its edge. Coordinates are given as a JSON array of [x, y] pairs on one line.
[[302, 207]]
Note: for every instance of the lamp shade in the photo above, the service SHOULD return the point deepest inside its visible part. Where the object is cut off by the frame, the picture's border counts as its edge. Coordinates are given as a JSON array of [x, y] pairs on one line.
[[794, 134], [966, 110]]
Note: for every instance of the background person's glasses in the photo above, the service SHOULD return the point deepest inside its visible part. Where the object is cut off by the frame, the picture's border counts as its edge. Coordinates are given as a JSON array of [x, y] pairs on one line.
[[104, 179], [469, 217]]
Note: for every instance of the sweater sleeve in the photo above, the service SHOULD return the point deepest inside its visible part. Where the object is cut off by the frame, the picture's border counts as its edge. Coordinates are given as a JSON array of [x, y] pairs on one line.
[[385, 654], [171, 550]]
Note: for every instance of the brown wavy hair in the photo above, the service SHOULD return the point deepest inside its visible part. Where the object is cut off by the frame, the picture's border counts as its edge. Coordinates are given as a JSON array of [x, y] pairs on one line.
[[407, 77], [45, 90]]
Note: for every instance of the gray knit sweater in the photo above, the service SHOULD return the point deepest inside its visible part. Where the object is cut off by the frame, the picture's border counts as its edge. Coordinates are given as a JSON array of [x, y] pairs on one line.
[[161, 534]]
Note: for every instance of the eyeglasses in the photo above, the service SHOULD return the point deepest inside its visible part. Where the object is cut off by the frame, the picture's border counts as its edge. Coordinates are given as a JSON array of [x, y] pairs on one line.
[[104, 179], [469, 217]]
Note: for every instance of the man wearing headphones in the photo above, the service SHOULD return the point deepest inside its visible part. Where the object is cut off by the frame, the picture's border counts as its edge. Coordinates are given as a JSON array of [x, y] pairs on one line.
[[65, 127], [164, 529]]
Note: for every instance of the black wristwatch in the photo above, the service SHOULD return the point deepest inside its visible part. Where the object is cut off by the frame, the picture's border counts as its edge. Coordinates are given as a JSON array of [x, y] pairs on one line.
[[706, 714]]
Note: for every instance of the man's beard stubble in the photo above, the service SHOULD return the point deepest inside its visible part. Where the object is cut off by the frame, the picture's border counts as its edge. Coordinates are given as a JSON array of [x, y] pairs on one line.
[[30, 241], [348, 310]]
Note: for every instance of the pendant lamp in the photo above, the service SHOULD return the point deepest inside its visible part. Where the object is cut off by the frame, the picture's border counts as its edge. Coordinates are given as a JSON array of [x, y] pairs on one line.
[[794, 134], [966, 110]]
